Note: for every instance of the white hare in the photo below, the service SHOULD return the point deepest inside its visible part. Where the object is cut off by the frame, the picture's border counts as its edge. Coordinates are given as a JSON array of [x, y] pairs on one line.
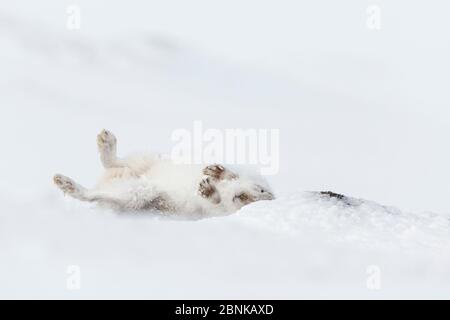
[[149, 182]]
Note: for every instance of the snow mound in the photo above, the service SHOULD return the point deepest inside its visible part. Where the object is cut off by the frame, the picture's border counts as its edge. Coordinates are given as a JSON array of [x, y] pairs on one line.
[[365, 223]]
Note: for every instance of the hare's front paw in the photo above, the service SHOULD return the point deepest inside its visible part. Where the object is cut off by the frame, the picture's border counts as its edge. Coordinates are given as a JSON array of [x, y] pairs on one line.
[[208, 191], [218, 172]]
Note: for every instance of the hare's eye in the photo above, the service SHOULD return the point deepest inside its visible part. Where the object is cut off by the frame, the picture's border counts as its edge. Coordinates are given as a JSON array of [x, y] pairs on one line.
[[262, 190]]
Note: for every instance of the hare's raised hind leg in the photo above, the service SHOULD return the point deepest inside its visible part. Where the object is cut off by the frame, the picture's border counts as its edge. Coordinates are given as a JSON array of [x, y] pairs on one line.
[[107, 146], [70, 187]]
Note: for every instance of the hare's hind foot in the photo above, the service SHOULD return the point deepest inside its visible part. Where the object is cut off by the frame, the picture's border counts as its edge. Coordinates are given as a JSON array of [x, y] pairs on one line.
[[70, 187], [107, 146]]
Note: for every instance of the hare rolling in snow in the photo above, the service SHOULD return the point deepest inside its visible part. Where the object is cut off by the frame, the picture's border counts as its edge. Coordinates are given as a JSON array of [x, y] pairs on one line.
[[149, 182]]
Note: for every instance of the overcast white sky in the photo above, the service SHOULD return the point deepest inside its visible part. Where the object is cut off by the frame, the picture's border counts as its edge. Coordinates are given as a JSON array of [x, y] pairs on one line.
[[267, 33]]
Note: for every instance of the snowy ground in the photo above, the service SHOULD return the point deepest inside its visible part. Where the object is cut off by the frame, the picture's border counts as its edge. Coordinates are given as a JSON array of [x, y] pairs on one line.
[[298, 246], [372, 124]]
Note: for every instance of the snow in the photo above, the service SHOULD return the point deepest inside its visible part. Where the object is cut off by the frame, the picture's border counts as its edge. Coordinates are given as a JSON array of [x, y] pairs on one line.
[[369, 121], [298, 246]]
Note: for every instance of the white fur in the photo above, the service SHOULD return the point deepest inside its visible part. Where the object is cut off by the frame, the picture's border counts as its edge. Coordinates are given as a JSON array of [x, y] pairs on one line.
[[149, 182]]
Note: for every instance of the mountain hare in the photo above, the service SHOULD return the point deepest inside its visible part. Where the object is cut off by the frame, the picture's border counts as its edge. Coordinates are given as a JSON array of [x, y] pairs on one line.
[[149, 182]]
